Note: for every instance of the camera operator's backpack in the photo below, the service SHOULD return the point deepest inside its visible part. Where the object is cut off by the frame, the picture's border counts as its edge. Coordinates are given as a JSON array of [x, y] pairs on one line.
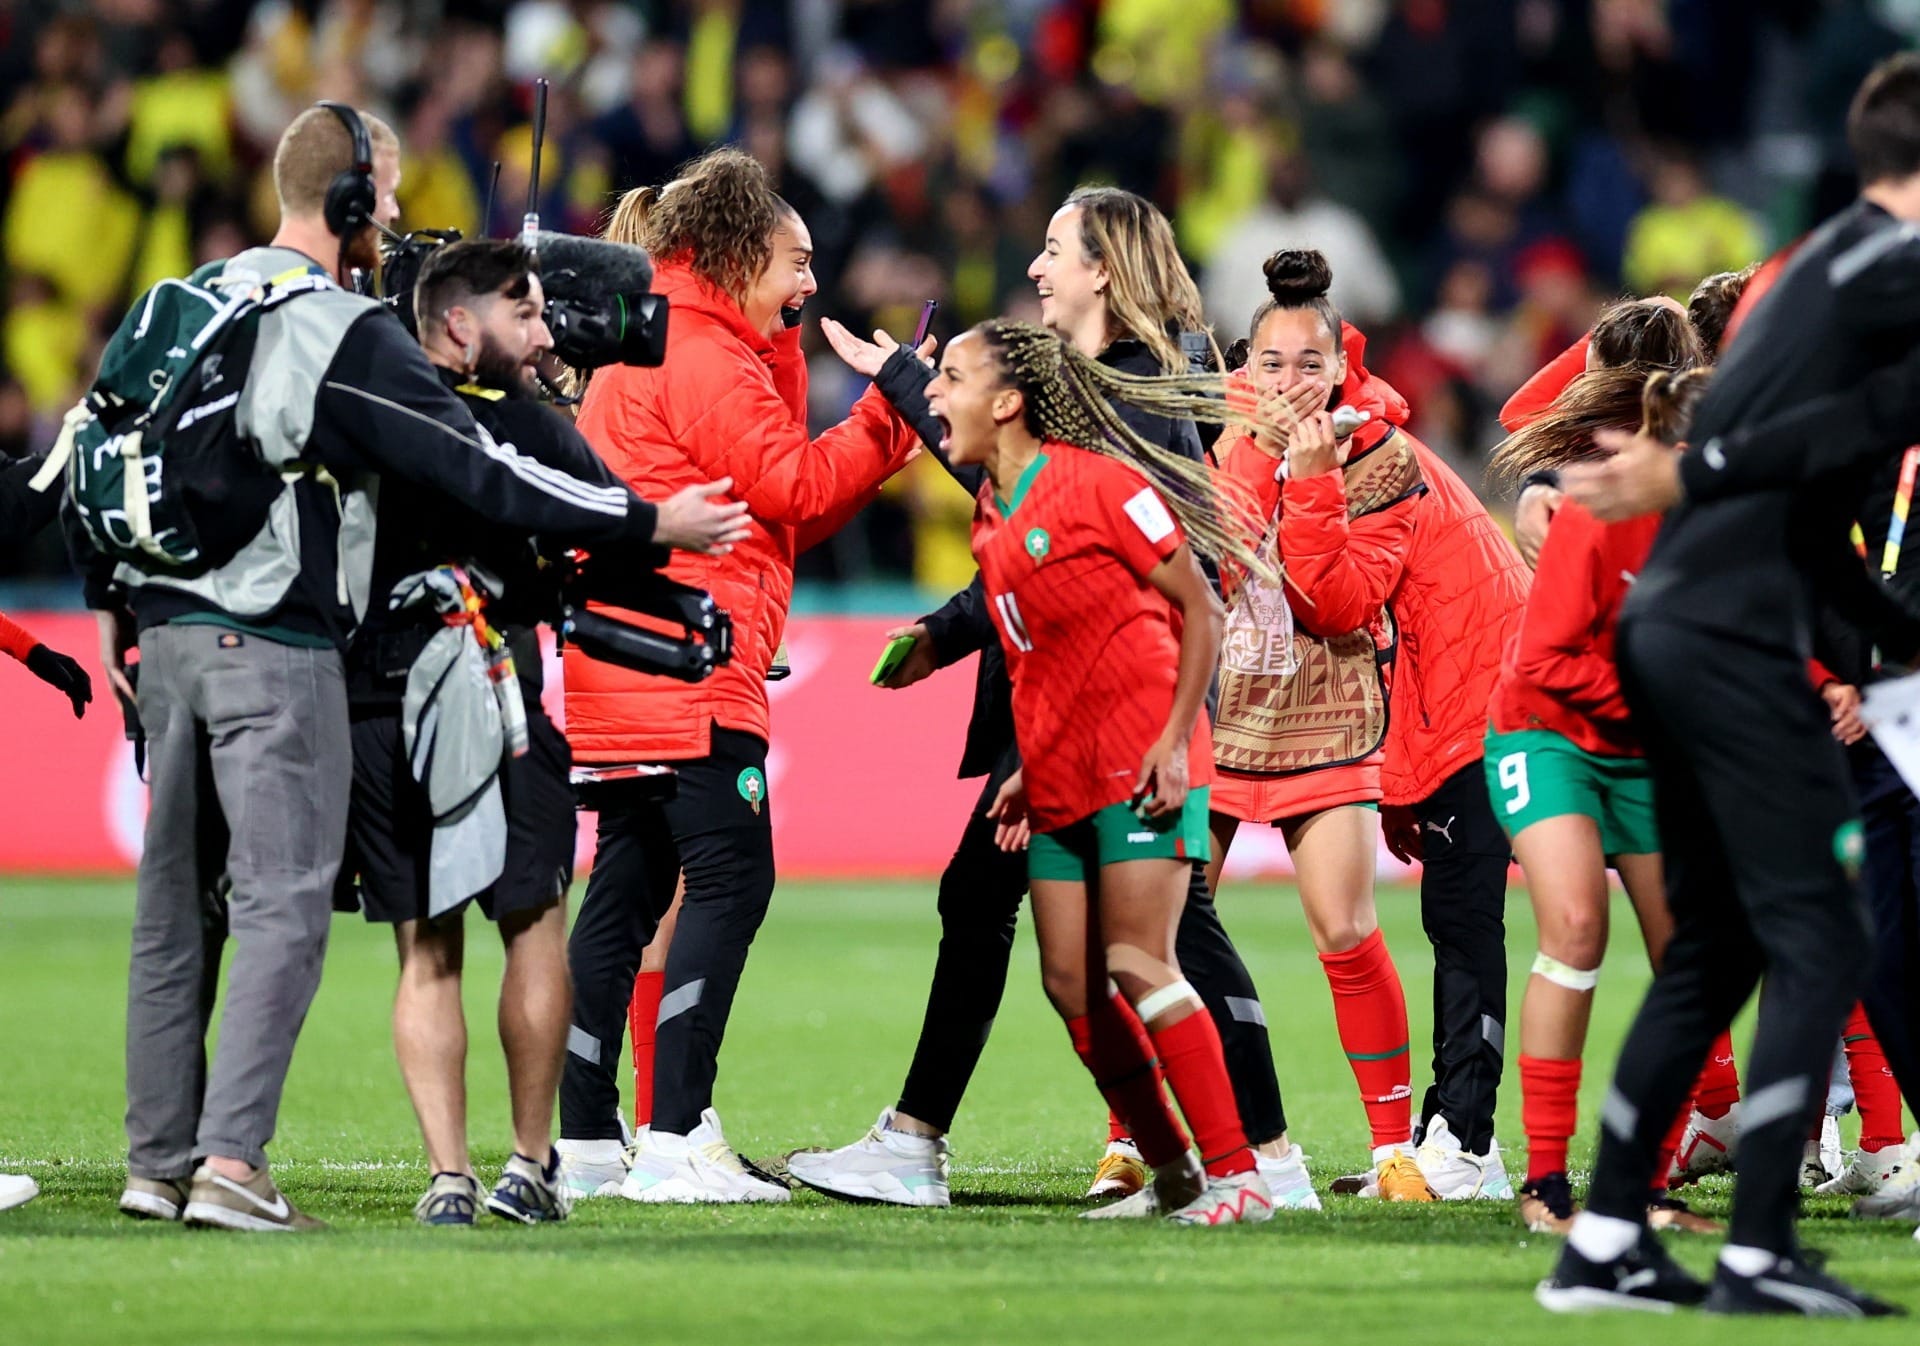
[[158, 474]]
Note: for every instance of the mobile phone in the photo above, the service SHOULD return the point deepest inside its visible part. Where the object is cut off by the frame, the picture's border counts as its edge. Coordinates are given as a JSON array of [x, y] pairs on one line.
[[891, 658], [927, 310]]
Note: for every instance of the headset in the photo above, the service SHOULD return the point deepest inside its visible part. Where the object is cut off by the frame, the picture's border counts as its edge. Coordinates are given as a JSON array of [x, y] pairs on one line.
[[350, 196]]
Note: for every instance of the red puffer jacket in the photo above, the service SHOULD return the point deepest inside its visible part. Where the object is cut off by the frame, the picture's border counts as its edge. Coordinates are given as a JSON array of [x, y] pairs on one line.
[[728, 402], [1456, 606]]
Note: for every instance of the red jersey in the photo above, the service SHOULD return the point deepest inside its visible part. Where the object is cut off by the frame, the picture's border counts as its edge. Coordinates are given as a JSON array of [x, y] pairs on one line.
[[1559, 672], [1090, 644]]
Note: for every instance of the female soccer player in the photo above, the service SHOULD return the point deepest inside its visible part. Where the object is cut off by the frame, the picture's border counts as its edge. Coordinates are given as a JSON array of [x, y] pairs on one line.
[[1569, 783], [1303, 705], [1089, 574], [1111, 283], [730, 401]]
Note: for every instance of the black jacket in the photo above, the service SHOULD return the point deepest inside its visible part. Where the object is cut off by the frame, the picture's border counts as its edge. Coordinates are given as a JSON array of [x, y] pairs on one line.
[[963, 625], [419, 529], [1774, 480]]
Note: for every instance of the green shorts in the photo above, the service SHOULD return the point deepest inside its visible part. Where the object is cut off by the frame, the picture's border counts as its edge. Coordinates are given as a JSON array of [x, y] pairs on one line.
[[1536, 773], [1076, 852]]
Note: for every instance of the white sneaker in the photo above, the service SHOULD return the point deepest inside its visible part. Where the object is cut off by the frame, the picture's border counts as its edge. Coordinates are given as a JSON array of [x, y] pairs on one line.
[[1865, 1173], [698, 1167], [883, 1165], [1288, 1181], [1707, 1146], [1831, 1157], [1455, 1175], [17, 1189], [590, 1168], [1897, 1199], [1238, 1198], [1142, 1205]]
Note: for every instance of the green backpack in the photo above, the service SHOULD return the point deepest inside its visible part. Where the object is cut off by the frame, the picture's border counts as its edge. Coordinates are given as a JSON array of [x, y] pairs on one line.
[[157, 473]]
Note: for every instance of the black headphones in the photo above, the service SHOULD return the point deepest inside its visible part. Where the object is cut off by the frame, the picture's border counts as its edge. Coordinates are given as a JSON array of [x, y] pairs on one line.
[[350, 196]]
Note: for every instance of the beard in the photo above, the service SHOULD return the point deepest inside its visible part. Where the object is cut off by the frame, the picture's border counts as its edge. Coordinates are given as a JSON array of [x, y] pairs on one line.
[[362, 251], [495, 368]]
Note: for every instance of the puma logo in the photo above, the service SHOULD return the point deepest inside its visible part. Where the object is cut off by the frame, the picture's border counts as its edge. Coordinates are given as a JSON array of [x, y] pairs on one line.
[[1444, 832]]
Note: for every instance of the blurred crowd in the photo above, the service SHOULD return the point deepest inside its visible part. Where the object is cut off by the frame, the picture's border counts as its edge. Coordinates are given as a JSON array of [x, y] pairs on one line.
[[1482, 174]]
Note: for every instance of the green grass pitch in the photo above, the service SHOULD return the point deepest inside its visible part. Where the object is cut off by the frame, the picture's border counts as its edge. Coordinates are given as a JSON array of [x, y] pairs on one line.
[[820, 1038]]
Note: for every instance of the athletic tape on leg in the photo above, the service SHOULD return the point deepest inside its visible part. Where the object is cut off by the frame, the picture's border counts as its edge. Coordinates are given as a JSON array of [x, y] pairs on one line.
[[1564, 974], [1155, 1003]]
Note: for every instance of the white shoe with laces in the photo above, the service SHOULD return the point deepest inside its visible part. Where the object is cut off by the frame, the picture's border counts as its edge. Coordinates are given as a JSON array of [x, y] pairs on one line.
[[1866, 1172], [697, 1168], [1238, 1198], [1455, 1175], [1288, 1181], [590, 1168], [17, 1189], [884, 1165], [1708, 1145], [1897, 1199]]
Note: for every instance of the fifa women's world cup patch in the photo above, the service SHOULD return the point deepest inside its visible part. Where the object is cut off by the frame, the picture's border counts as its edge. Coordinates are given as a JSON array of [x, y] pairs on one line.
[[1149, 514], [752, 786]]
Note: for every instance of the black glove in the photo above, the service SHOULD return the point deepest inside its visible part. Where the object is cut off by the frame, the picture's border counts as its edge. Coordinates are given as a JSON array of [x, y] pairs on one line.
[[63, 674]]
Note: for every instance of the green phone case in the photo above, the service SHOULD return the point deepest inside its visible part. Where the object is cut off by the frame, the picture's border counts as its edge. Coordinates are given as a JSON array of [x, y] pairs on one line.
[[891, 658]]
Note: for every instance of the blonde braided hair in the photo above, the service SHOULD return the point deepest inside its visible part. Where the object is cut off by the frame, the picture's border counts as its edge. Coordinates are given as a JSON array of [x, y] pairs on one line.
[[1070, 398]]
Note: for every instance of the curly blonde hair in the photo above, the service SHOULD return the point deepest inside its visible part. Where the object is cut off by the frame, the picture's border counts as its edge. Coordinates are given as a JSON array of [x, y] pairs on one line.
[[718, 215]]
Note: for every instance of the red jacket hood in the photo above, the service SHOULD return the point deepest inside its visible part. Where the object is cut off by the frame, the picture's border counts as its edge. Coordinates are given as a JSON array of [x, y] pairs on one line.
[[1366, 391]]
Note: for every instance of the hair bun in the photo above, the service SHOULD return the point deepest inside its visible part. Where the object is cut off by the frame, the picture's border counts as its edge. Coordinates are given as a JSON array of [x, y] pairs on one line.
[[1298, 276]]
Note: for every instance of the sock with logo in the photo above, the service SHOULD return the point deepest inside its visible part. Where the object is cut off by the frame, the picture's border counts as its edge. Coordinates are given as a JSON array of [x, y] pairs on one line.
[[1549, 1108], [643, 1020], [1874, 1092], [1117, 1053], [1370, 1009], [1719, 1086], [1196, 1068]]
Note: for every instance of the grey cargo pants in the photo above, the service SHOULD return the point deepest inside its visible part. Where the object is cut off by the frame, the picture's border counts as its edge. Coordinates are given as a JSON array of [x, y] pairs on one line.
[[251, 767]]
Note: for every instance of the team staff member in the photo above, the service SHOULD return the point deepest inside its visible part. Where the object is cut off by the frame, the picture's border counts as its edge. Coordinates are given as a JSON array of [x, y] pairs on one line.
[[729, 402], [479, 306], [1303, 705], [1758, 817], [242, 692], [1088, 575], [1111, 281]]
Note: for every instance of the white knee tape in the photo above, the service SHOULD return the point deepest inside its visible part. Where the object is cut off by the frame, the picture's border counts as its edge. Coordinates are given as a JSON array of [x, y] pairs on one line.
[[1560, 974], [1155, 1003]]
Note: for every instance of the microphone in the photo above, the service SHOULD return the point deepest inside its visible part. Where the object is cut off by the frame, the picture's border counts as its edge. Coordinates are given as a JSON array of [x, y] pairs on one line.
[[573, 267]]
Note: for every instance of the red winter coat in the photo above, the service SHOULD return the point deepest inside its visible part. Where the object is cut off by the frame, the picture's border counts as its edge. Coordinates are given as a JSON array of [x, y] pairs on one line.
[[1339, 573], [1456, 605], [728, 402], [1560, 672]]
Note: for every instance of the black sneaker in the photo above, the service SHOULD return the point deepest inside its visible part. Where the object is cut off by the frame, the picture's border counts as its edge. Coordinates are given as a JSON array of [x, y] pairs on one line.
[[1546, 1204], [1793, 1285], [1645, 1278], [528, 1193]]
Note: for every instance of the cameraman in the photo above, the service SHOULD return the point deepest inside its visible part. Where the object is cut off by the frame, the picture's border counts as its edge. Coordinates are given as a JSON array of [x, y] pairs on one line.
[[242, 690], [479, 307], [734, 260]]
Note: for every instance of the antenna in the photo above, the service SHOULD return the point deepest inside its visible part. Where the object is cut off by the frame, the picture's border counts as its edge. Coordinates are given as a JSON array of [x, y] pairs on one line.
[[530, 225], [493, 189]]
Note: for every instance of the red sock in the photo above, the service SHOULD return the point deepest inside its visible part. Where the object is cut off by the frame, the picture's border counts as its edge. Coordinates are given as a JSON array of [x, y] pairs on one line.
[[1719, 1086], [1116, 1129], [1371, 1011], [1117, 1053], [1196, 1068], [1549, 1107], [643, 1017], [1874, 1092]]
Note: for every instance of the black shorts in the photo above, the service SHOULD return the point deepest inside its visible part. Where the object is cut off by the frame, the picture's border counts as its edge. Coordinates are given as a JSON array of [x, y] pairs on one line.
[[389, 834]]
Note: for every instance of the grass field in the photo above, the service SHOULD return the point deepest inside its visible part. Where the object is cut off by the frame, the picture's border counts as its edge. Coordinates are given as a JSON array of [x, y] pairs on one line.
[[820, 1038]]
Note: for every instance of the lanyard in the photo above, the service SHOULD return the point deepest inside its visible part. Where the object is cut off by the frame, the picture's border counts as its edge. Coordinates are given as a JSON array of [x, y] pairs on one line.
[[1902, 503]]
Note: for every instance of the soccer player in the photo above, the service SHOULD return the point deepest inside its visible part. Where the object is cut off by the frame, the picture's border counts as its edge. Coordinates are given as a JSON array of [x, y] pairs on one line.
[[1303, 704], [1571, 787], [1112, 283], [1089, 576], [1758, 817]]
